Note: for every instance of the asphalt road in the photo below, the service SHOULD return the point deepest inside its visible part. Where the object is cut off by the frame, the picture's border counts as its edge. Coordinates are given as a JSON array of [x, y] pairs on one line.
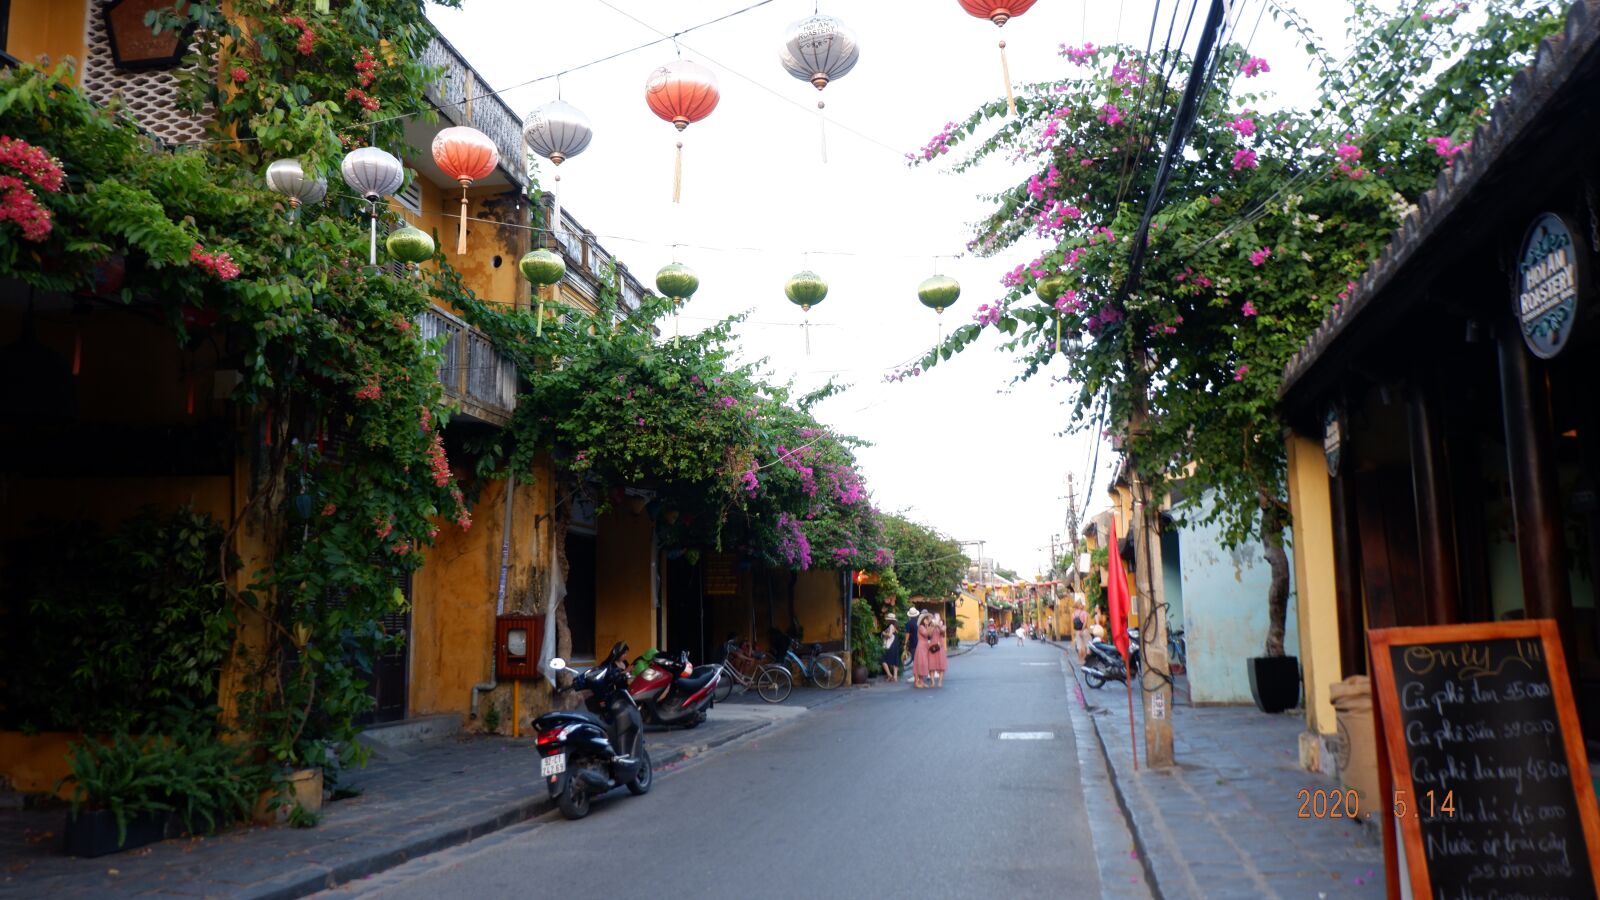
[[890, 792]]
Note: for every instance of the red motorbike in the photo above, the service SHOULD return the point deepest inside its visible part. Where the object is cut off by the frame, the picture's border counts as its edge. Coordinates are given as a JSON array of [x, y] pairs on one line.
[[669, 691]]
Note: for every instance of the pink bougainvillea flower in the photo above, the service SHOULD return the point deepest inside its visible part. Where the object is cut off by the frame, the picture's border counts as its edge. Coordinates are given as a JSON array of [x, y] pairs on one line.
[[1244, 158], [1244, 126], [1080, 56], [1247, 309], [1110, 115], [1260, 256], [1254, 66], [1239, 373], [1447, 148]]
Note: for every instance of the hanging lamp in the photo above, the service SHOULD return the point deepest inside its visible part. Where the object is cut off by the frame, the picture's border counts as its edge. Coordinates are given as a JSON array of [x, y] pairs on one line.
[[465, 155], [1000, 12], [805, 290], [557, 131], [682, 93], [373, 174], [410, 245], [543, 268], [1050, 289], [819, 49], [677, 282], [939, 293], [288, 177]]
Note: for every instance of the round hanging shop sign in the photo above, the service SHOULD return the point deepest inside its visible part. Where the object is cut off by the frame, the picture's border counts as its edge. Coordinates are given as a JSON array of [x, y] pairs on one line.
[[1548, 280]]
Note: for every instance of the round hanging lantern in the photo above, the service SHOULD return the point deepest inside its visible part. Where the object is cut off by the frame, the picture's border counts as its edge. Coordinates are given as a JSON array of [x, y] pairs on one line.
[[682, 93], [819, 49], [374, 174], [410, 245], [677, 282], [557, 131], [464, 154], [939, 292], [1050, 288], [288, 177], [1000, 12], [805, 290], [543, 268]]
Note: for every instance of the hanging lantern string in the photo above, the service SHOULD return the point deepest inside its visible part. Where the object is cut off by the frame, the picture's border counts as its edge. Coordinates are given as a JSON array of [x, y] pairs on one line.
[[530, 82], [1005, 71], [595, 238]]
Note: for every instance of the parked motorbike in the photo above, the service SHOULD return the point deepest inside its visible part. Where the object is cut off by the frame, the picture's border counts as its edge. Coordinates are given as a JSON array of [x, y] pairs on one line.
[[1106, 664], [585, 753], [670, 692]]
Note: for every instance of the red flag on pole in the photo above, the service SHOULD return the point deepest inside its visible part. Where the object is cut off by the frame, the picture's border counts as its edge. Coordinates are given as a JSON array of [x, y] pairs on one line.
[[1117, 600]]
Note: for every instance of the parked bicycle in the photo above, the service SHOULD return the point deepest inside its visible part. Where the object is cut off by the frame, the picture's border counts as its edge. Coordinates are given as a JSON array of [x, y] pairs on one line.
[[826, 670], [743, 665], [1177, 650]]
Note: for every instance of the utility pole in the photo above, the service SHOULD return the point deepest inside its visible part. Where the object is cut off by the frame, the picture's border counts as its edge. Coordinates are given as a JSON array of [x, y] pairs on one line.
[[1073, 534], [1145, 529]]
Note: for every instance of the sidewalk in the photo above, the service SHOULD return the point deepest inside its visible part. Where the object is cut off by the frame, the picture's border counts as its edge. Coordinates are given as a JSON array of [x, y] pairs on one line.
[[427, 797], [1223, 822]]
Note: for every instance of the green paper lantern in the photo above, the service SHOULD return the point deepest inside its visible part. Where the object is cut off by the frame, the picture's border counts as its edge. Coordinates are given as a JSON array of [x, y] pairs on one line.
[[410, 245], [1051, 288], [805, 290], [677, 282], [939, 292], [543, 267]]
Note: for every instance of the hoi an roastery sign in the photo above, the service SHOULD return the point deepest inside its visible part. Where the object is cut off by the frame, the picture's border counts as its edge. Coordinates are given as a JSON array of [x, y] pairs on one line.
[[134, 44], [1481, 763], [1549, 275]]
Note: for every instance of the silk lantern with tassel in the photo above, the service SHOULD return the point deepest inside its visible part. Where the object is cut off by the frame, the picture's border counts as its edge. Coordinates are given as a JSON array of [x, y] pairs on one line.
[[805, 290], [410, 245], [939, 293], [288, 177], [557, 131], [819, 49], [464, 154], [1000, 12], [1050, 289], [682, 93], [677, 282], [373, 174], [543, 268]]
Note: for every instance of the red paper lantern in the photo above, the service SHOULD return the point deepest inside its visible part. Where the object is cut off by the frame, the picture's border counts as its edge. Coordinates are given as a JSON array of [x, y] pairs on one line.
[[681, 92], [466, 155], [997, 11], [1000, 12]]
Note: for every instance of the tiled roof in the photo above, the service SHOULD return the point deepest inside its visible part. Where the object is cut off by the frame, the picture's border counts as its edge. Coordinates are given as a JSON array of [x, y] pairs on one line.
[[1532, 90]]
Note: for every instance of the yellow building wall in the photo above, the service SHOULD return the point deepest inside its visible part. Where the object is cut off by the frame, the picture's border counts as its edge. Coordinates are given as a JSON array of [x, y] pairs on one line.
[[970, 616], [453, 595], [1316, 604], [486, 242], [53, 28], [819, 606], [622, 606]]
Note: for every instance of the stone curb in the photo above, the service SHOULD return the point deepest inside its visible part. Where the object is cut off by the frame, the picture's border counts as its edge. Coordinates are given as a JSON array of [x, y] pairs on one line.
[[314, 878], [1116, 870]]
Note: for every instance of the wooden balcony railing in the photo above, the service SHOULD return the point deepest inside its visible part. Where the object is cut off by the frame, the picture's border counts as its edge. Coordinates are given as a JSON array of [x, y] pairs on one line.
[[480, 379]]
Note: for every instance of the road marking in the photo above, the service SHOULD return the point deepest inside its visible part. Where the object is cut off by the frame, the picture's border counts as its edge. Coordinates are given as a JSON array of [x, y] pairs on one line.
[[1027, 735]]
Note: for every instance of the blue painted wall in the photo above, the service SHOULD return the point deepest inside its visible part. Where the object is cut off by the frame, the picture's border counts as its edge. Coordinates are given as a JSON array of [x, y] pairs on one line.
[[1225, 613]]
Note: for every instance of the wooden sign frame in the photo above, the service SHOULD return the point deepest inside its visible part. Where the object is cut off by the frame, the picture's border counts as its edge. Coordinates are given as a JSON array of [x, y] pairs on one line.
[[1392, 745]]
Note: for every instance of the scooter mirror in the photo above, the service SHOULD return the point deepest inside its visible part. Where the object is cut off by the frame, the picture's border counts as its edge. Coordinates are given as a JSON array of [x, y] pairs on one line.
[[557, 664]]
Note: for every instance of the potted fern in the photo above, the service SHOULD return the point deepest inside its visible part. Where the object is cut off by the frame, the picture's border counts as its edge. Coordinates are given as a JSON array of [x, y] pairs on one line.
[[119, 796]]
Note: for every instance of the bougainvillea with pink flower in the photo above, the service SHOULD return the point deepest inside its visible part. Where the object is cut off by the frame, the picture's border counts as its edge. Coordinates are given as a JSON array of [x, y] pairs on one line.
[[1266, 222]]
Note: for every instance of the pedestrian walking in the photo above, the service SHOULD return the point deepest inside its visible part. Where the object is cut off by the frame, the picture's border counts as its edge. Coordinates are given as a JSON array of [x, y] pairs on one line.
[[938, 659], [1080, 636], [1022, 635], [921, 664], [891, 650], [913, 638]]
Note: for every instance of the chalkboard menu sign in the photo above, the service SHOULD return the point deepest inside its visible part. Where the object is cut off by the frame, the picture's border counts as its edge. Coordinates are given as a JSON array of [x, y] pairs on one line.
[[1486, 774], [720, 577]]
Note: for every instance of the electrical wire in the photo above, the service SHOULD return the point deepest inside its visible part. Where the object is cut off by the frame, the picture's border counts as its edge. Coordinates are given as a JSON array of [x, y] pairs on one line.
[[532, 81]]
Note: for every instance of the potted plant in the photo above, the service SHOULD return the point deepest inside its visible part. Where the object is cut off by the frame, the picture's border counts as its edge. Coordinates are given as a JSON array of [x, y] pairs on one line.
[[119, 792], [1275, 676]]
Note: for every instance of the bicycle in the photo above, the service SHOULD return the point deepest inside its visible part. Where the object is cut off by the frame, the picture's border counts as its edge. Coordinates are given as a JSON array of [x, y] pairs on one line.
[[1177, 649], [826, 670], [743, 665]]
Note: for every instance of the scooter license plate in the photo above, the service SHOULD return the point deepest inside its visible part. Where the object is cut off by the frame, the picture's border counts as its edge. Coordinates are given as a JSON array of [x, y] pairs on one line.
[[554, 764]]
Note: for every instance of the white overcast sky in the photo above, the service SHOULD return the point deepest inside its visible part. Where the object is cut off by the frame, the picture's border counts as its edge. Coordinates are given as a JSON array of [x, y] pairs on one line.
[[959, 448]]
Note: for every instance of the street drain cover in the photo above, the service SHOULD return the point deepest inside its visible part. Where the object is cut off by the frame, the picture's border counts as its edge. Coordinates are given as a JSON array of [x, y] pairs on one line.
[[1027, 735]]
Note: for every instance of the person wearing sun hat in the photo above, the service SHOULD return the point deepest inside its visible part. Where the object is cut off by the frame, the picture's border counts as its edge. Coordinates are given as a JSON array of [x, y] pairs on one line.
[[911, 643], [891, 649]]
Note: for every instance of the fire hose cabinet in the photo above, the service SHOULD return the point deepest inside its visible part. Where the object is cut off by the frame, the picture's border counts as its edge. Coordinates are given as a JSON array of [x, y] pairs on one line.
[[517, 640]]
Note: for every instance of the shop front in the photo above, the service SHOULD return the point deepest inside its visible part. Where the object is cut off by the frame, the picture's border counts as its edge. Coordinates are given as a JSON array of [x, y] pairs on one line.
[[1444, 428]]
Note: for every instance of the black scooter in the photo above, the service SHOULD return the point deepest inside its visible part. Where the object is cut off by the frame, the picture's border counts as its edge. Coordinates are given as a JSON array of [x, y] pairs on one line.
[[991, 638], [1106, 661], [584, 753]]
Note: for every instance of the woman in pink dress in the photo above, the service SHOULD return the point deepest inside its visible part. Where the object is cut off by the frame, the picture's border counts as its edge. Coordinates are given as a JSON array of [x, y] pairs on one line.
[[938, 659], [920, 673]]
